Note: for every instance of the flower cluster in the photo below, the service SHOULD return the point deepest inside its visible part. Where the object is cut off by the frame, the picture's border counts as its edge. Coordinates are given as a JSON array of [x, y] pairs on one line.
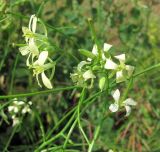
[[38, 59], [18, 109], [101, 61], [102, 65]]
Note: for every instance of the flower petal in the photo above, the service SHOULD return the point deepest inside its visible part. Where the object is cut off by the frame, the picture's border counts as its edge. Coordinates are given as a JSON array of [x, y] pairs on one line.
[[89, 59], [24, 50], [116, 95], [103, 56], [129, 69], [119, 76], [128, 110], [110, 64], [114, 107], [88, 75], [130, 102], [95, 50], [106, 47], [46, 81], [81, 64], [121, 58], [33, 23], [42, 57], [33, 47]]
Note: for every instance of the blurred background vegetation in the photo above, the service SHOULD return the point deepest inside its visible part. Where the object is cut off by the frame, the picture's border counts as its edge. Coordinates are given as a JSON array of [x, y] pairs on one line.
[[131, 26]]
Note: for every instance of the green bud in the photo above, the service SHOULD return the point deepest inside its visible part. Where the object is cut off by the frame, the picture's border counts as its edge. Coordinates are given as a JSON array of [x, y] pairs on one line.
[[102, 82], [87, 53]]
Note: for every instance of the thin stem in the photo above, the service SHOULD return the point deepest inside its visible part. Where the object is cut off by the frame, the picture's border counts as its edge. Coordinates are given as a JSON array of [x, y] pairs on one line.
[[78, 115], [94, 138], [13, 73], [146, 70], [39, 92], [91, 99], [94, 37], [10, 138], [69, 133]]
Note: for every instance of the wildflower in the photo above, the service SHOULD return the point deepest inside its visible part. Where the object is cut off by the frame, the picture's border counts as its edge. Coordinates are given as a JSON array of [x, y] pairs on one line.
[[126, 103], [30, 49], [122, 70], [31, 30], [39, 67], [17, 109]]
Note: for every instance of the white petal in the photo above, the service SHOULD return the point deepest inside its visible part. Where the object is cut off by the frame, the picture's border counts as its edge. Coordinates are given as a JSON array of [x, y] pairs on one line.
[[38, 80], [46, 81], [10, 108], [130, 69], [15, 109], [16, 121], [81, 64], [106, 47], [110, 64], [89, 59], [24, 50], [103, 56], [42, 57], [121, 57], [128, 110], [130, 102], [95, 50], [33, 23], [33, 47], [113, 107], [88, 75], [119, 76], [30, 22], [116, 95]]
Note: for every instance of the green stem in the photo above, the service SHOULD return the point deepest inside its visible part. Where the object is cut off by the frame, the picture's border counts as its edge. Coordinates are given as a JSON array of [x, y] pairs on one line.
[[10, 138], [78, 114], [91, 99], [146, 70], [94, 37], [39, 92], [94, 138], [69, 133], [13, 73]]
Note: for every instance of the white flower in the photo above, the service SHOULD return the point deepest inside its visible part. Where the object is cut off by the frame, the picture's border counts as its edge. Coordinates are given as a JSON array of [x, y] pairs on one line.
[[126, 103], [88, 75], [30, 31], [106, 48], [31, 50], [122, 70], [39, 67]]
